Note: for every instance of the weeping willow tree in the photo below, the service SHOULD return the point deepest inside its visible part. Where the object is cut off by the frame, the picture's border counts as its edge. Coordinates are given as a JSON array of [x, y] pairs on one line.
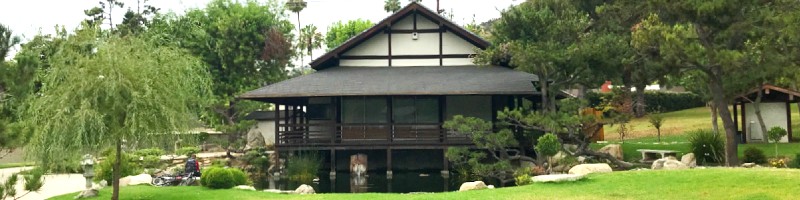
[[104, 91]]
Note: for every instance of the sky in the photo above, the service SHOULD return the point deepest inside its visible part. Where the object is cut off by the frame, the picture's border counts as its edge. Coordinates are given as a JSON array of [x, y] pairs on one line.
[[30, 17]]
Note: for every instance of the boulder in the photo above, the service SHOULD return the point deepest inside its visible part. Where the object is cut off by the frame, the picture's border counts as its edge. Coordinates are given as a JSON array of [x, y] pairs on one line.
[[527, 164], [476, 185], [558, 157], [255, 140], [136, 180], [590, 168], [557, 178], [87, 194], [668, 163], [561, 169], [490, 186], [749, 165], [689, 160], [613, 150], [244, 187], [304, 189]]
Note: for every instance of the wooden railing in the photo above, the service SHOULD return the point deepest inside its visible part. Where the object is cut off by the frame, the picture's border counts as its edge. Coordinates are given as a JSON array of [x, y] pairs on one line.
[[330, 134]]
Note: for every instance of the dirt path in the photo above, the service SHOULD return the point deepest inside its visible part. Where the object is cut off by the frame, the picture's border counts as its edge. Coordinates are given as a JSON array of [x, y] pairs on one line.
[[54, 185]]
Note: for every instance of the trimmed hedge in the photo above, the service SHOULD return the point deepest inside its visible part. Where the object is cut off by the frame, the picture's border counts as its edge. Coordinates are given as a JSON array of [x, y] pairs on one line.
[[222, 178], [657, 101]]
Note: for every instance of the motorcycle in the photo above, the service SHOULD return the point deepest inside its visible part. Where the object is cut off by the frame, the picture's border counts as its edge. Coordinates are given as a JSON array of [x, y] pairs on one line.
[[173, 180]]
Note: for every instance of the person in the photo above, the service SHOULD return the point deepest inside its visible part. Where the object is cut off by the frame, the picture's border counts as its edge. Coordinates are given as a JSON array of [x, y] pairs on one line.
[[192, 167]]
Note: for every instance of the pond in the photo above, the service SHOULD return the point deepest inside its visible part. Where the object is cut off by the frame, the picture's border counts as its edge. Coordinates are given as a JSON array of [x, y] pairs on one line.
[[401, 182]]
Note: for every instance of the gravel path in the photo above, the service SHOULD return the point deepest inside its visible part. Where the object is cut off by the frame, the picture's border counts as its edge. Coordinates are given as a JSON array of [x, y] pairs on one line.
[[54, 185]]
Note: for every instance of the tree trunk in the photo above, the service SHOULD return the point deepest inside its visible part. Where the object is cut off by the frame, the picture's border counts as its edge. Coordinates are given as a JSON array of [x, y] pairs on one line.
[[757, 109], [234, 134], [640, 105], [718, 94], [116, 169], [658, 131], [545, 95], [714, 117], [581, 91], [299, 39]]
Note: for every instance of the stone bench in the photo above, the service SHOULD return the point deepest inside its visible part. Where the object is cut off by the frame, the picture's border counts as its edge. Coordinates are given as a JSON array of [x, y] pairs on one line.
[[650, 155]]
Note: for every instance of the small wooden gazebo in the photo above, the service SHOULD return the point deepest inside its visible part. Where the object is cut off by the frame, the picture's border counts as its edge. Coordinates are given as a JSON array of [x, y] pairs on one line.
[[775, 109]]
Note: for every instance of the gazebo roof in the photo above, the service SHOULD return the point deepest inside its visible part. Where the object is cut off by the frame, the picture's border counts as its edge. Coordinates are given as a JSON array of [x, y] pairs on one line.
[[771, 93]]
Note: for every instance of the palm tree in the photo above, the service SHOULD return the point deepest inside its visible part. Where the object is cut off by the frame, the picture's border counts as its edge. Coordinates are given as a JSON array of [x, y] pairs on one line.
[[7, 41], [296, 6], [391, 5], [310, 39]]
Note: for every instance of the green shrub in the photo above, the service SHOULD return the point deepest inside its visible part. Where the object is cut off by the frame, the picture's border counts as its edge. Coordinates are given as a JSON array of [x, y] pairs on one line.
[[222, 178], [522, 176], [151, 161], [795, 163], [303, 166], [187, 151], [239, 177], [148, 152], [754, 155], [657, 101], [547, 145], [103, 171], [707, 146], [775, 134]]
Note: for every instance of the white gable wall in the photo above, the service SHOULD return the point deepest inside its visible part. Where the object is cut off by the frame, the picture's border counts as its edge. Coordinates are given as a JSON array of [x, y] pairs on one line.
[[403, 44]]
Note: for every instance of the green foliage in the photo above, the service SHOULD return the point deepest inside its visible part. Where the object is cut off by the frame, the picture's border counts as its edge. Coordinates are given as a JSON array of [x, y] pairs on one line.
[[548, 145], [303, 166], [656, 119], [128, 166], [775, 134], [795, 162], [107, 89], [339, 32], [754, 155], [480, 131], [150, 161], [149, 152], [391, 6], [222, 178], [522, 177], [9, 189], [257, 162], [187, 151], [656, 101], [707, 146]]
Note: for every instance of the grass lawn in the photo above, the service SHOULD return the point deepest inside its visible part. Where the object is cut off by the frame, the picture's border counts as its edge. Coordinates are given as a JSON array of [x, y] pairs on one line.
[[678, 122], [680, 143], [711, 183], [10, 165]]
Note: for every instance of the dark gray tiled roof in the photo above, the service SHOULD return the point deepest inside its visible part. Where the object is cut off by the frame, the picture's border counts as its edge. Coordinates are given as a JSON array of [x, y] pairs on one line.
[[428, 80]]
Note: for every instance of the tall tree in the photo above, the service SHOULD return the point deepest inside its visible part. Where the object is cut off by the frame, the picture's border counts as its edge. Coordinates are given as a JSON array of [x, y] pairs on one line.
[[714, 38], [9, 138], [103, 12], [297, 6], [103, 91], [310, 39], [527, 39], [339, 32], [246, 45], [391, 6], [136, 21]]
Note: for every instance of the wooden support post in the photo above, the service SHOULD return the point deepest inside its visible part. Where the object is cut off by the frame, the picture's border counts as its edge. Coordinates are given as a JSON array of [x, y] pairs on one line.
[[333, 164], [789, 121], [445, 165], [389, 163], [277, 127], [736, 116], [744, 123]]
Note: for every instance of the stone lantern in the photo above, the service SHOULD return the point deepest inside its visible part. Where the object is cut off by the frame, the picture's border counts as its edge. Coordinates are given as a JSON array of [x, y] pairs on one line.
[[87, 163]]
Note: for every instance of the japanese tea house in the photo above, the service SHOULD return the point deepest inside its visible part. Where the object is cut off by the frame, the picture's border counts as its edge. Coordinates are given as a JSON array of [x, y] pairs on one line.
[[390, 88]]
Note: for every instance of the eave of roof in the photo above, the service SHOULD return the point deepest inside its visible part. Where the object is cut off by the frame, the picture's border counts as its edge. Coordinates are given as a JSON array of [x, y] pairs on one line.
[[329, 59], [378, 81]]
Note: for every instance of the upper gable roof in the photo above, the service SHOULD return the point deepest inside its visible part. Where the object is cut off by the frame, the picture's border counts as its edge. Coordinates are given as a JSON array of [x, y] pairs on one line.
[[331, 58]]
